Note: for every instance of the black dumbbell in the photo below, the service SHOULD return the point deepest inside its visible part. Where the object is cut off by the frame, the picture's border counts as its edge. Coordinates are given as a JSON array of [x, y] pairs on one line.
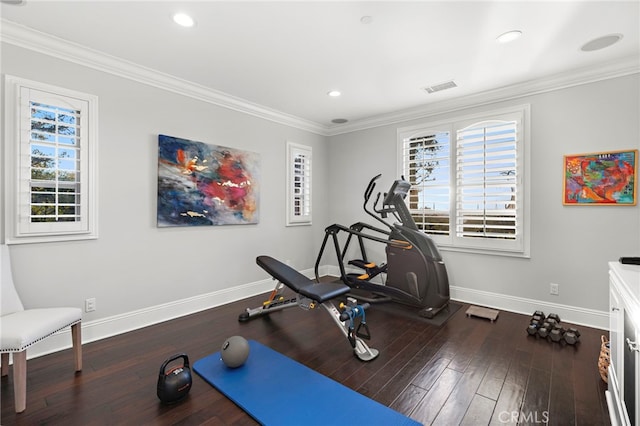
[[572, 336], [553, 318], [544, 329], [532, 329], [536, 321], [557, 333]]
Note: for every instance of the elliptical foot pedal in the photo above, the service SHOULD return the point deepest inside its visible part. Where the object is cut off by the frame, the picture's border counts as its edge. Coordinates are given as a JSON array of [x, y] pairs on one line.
[[362, 264], [369, 296], [480, 312]]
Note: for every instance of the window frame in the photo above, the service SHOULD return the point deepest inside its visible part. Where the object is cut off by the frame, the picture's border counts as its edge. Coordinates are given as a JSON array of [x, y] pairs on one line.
[[19, 228], [520, 247], [294, 218]]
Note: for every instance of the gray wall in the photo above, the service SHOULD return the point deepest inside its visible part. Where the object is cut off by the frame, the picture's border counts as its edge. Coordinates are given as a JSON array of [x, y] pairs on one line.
[[570, 245], [133, 264]]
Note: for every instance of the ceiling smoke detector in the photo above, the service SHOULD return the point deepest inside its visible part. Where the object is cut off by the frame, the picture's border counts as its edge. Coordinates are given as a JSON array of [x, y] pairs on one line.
[[439, 87]]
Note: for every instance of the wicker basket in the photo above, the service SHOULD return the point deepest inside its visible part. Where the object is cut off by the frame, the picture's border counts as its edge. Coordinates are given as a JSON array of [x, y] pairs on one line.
[[605, 358]]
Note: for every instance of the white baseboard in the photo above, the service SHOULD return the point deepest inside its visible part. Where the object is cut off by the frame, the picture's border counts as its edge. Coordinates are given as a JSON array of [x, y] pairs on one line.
[[129, 321], [520, 305]]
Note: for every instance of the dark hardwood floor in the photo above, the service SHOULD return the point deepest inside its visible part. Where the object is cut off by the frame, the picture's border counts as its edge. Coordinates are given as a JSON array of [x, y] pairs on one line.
[[469, 371]]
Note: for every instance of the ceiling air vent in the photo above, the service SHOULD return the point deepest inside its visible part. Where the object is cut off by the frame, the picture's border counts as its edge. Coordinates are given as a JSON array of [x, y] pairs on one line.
[[439, 87]]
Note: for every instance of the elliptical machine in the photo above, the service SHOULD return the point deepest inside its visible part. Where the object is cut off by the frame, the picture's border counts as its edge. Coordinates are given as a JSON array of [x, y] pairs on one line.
[[414, 273]]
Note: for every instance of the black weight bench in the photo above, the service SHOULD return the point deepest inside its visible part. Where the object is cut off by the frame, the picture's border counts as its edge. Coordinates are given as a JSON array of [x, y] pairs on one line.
[[319, 292], [309, 294]]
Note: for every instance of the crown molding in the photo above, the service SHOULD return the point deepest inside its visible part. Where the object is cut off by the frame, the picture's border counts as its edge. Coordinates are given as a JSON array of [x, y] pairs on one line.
[[570, 78], [28, 38]]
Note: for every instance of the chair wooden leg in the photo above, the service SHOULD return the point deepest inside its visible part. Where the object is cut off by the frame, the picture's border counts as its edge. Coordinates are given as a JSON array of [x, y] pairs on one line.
[[76, 335], [5, 364], [20, 380]]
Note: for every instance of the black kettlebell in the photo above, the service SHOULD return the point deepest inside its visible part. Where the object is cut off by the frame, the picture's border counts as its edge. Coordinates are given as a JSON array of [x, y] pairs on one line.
[[175, 384]]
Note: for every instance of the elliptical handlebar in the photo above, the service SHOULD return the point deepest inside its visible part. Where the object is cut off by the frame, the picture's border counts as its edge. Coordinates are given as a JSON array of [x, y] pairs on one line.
[[393, 203], [386, 208], [370, 188], [367, 196]]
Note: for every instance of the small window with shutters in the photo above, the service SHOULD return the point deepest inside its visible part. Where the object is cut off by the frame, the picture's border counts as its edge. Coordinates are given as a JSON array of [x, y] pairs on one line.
[[298, 184], [469, 187], [51, 143]]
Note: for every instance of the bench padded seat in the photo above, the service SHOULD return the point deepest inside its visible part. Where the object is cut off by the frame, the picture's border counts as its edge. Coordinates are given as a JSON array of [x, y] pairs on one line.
[[320, 292]]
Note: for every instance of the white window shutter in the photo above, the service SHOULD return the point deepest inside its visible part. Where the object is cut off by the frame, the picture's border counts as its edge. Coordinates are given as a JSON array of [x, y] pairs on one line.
[[427, 160], [471, 195], [51, 137], [486, 175], [299, 189]]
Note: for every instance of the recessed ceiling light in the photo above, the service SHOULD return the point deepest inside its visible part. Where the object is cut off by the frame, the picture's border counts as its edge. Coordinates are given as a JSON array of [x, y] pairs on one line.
[[509, 36], [183, 20], [601, 42], [339, 120], [334, 93]]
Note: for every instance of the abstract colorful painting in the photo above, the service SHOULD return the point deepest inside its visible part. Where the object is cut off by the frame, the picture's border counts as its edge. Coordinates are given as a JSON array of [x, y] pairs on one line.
[[203, 185], [601, 178]]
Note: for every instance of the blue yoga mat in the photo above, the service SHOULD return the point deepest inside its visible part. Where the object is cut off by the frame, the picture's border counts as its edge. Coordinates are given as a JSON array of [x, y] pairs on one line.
[[276, 390]]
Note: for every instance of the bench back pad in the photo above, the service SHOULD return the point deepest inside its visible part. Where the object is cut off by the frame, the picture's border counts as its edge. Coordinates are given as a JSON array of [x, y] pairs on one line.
[[320, 292]]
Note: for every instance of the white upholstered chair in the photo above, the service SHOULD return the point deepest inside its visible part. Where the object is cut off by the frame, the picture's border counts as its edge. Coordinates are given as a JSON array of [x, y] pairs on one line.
[[21, 328]]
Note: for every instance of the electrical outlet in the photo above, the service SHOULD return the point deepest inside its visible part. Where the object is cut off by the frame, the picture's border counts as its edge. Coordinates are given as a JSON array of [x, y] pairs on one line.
[[554, 289], [90, 305]]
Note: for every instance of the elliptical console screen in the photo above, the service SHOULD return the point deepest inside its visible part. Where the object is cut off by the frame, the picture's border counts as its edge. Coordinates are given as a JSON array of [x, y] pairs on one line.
[[399, 187]]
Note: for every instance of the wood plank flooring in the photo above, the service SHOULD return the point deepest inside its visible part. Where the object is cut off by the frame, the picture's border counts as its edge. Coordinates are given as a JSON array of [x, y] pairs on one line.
[[469, 371]]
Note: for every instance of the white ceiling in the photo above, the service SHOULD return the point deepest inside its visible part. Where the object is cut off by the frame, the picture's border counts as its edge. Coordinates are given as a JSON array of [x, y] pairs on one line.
[[286, 56]]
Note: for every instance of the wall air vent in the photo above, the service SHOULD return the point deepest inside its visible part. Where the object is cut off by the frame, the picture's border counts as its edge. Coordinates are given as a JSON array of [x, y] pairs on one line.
[[439, 87]]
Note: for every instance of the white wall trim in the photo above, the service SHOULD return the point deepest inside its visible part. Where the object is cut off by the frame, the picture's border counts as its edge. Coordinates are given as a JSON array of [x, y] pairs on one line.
[[118, 324], [520, 305], [28, 38], [570, 78]]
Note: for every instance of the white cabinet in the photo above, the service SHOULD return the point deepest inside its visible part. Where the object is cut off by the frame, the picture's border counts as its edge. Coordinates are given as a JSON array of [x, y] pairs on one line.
[[623, 395]]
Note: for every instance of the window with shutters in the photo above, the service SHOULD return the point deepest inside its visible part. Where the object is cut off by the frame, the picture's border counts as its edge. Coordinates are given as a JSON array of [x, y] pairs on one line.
[[298, 184], [51, 141], [469, 187], [428, 171]]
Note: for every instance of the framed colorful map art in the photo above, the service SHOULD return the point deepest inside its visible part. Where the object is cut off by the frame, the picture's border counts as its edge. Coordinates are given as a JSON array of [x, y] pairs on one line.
[[601, 178]]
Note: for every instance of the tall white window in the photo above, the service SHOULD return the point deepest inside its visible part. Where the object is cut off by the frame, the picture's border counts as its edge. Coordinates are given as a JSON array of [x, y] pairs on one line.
[[427, 161], [298, 184], [51, 143], [469, 187]]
